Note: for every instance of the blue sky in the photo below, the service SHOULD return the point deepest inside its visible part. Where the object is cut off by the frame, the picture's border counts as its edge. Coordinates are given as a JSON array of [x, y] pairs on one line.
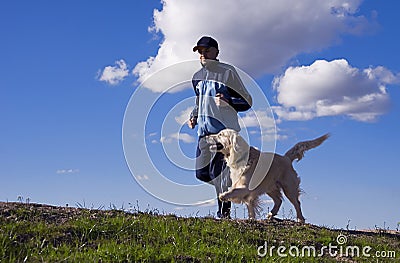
[[70, 71]]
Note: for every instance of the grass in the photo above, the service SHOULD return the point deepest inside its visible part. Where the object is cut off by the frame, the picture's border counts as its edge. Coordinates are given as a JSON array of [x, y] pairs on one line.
[[40, 233]]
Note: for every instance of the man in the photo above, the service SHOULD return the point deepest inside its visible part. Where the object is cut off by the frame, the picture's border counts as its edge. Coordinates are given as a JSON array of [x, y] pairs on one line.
[[220, 94]]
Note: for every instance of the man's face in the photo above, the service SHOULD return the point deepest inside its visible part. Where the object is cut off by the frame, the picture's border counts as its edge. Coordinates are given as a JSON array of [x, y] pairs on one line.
[[207, 53]]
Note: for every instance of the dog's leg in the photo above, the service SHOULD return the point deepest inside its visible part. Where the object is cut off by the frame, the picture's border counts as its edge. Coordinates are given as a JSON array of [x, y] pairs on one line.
[[234, 194], [251, 210], [293, 195], [297, 205], [277, 198]]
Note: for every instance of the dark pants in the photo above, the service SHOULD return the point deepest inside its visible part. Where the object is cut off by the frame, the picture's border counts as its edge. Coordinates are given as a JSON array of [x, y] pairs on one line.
[[211, 168]]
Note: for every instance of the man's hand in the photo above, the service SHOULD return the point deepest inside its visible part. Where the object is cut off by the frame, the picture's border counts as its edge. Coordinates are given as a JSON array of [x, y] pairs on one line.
[[192, 123], [220, 100]]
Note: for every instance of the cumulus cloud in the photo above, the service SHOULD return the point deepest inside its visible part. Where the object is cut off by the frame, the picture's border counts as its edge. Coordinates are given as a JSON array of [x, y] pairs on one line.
[[329, 88], [256, 36], [260, 119], [184, 116], [184, 137], [113, 75]]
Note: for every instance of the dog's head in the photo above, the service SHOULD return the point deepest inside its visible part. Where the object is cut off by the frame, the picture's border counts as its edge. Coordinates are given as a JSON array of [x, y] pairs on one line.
[[231, 144]]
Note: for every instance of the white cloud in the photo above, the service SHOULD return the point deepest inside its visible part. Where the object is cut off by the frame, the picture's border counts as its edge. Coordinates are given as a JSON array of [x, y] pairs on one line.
[[113, 75], [263, 121], [332, 88], [142, 177], [258, 119], [184, 116], [184, 137], [152, 137], [256, 36], [67, 171], [267, 201], [152, 134]]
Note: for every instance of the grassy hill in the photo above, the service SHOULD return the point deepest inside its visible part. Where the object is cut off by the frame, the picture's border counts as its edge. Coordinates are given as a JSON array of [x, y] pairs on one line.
[[41, 233]]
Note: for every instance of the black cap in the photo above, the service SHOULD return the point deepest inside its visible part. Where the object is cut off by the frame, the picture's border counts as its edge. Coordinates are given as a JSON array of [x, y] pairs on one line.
[[206, 42]]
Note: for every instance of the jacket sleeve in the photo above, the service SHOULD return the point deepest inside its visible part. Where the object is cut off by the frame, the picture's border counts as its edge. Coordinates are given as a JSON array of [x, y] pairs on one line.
[[195, 112], [240, 100]]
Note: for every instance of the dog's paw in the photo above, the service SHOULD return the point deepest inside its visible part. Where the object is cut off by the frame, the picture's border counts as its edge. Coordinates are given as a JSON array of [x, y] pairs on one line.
[[222, 197], [270, 216], [301, 220]]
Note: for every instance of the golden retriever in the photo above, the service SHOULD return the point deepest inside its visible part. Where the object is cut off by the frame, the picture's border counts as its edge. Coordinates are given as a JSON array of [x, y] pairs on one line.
[[255, 173]]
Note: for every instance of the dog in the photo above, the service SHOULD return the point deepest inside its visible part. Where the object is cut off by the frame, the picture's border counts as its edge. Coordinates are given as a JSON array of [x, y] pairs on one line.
[[254, 173]]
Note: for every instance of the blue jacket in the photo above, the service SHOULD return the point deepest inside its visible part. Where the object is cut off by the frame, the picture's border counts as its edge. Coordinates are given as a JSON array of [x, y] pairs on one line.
[[214, 78]]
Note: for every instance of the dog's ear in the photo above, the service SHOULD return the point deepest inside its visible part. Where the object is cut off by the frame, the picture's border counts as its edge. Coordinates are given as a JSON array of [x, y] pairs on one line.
[[239, 150], [234, 142], [237, 142]]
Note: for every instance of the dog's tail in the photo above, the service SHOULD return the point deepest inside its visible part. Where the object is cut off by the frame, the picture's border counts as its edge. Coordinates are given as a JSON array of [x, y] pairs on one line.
[[297, 151]]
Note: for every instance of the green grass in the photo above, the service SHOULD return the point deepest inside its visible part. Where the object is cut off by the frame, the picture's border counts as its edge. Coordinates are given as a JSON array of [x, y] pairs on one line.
[[37, 233]]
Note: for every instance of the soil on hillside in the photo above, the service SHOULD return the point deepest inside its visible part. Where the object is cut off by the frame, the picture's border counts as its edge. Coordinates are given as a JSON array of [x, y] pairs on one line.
[[59, 215]]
